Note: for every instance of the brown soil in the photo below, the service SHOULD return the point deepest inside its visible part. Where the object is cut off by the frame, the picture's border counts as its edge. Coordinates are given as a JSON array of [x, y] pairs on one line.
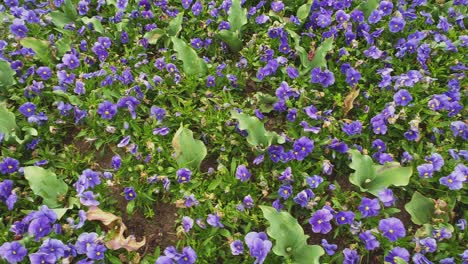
[[159, 230], [209, 162]]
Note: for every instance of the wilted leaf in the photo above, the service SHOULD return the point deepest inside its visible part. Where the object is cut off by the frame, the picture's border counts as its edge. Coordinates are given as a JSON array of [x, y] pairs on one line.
[[290, 240], [373, 178], [44, 183], [192, 64], [257, 134], [190, 152], [6, 74], [237, 16], [231, 38], [320, 53], [349, 100], [117, 229], [175, 25], [41, 48], [420, 208]]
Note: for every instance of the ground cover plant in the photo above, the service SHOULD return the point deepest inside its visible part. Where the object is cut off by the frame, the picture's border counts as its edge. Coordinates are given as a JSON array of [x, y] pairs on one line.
[[167, 131]]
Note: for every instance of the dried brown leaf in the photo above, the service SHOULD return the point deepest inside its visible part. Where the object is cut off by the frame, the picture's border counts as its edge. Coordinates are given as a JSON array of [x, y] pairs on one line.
[[349, 100]]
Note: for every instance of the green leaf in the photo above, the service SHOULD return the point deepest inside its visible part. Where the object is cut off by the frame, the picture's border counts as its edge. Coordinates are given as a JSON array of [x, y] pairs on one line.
[[190, 152], [290, 240], [320, 53], [237, 16], [231, 39], [60, 19], [373, 178], [70, 9], [265, 101], [154, 35], [192, 64], [368, 6], [63, 46], [7, 122], [175, 25], [6, 74], [41, 48], [303, 55], [303, 11], [258, 135], [95, 22], [44, 183], [130, 207], [420, 208]]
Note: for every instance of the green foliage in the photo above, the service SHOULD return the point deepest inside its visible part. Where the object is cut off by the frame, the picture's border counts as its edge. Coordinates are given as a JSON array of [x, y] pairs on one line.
[[154, 35], [95, 22], [320, 53], [192, 64], [44, 183], [258, 135], [41, 48], [231, 38], [237, 16], [175, 25], [290, 240], [60, 19], [303, 11], [190, 152], [368, 6], [420, 208], [6, 74], [373, 178], [7, 122]]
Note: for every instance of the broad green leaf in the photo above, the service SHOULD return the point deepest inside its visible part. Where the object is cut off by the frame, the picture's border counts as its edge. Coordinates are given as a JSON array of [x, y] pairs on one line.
[[154, 35], [420, 208], [303, 55], [373, 178], [29, 132], [175, 25], [320, 53], [41, 48], [265, 102], [63, 46], [6, 75], [7, 122], [303, 11], [60, 19], [237, 16], [232, 40], [290, 240], [95, 22], [44, 183], [257, 134], [368, 6], [190, 152], [192, 64]]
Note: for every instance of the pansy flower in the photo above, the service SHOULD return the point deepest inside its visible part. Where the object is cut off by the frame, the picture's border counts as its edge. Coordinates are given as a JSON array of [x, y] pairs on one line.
[[320, 221], [369, 207], [392, 228], [397, 253]]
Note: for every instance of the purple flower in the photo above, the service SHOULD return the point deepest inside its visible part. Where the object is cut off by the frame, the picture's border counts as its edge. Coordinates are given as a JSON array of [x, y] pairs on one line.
[[186, 3], [129, 193], [455, 180], [369, 207], [277, 6], [402, 97], [7, 195], [107, 110], [71, 61], [338, 146], [197, 8], [325, 78], [53, 247], [320, 221], [350, 256], [196, 43], [95, 251], [183, 175], [13, 252], [187, 223], [292, 72], [459, 128], [303, 197], [436, 160], [214, 220], [352, 76], [344, 217], [314, 181], [116, 162], [353, 128], [425, 170], [428, 244], [386, 7], [84, 241], [44, 72], [88, 198], [242, 173], [42, 258], [379, 145], [441, 234], [392, 228], [285, 191], [369, 240], [329, 248], [189, 256], [396, 24], [419, 258], [259, 246], [248, 202], [164, 259], [386, 197], [237, 248], [375, 16], [18, 28], [302, 147], [9, 165], [395, 253]]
